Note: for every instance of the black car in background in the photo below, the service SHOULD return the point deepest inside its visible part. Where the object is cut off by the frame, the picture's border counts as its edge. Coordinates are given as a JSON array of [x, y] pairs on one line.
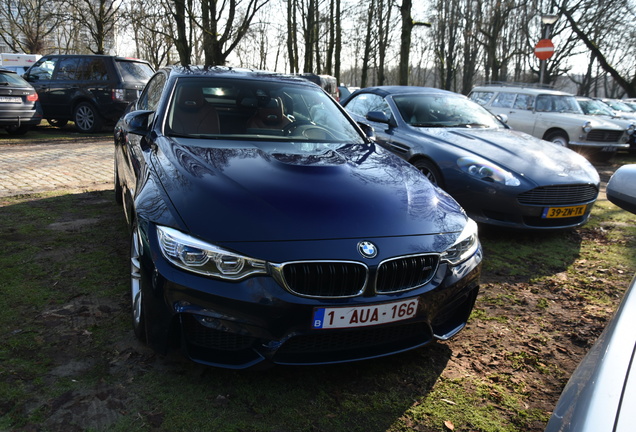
[[90, 90], [19, 107], [266, 228]]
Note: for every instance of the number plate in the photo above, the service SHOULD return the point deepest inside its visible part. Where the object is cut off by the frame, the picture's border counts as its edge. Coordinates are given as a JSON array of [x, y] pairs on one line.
[[10, 99], [359, 316], [563, 212]]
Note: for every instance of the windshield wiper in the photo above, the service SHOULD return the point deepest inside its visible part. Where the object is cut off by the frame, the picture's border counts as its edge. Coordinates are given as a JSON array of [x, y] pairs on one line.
[[428, 125]]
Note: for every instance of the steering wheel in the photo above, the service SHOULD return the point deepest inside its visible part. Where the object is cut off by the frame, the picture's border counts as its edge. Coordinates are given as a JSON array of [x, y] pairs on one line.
[[290, 128]]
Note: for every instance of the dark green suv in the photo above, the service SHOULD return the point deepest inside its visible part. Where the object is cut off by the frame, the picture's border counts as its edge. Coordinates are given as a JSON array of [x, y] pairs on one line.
[[90, 90]]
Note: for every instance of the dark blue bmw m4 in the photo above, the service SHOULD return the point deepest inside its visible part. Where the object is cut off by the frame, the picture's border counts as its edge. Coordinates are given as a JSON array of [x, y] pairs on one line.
[[267, 228]]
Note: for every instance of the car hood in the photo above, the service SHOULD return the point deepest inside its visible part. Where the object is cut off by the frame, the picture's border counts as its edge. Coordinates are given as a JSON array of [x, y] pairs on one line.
[[233, 191], [539, 162]]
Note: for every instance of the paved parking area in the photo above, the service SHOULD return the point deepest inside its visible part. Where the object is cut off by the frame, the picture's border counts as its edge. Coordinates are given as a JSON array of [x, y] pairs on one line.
[[34, 168]]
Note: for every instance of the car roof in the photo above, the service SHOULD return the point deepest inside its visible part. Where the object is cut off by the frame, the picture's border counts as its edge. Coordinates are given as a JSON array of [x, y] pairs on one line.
[[521, 89], [234, 73], [399, 90]]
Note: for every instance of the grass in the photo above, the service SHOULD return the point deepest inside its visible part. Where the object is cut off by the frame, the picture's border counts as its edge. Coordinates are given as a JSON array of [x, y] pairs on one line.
[[67, 352]]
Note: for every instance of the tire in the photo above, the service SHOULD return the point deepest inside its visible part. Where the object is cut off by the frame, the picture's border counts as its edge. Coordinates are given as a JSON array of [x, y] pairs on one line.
[[17, 130], [558, 137], [60, 123], [136, 285], [87, 118], [119, 197], [430, 171]]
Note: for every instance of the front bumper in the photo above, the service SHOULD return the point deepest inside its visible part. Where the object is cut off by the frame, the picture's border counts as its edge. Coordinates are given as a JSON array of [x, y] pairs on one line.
[[256, 321]]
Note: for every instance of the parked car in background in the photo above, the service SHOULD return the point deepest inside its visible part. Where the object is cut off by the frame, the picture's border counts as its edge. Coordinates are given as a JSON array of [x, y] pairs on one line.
[[327, 82], [19, 107], [266, 228], [620, 107], [345, 92], [499, 176], [553, 116], [601, 394], [90, 90], [594, 107], [18, 63]]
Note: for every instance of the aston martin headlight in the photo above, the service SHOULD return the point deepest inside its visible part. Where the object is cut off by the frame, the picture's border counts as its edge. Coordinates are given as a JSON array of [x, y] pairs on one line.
[[204, 258], [465, 245], [487, 171], [587, 127]]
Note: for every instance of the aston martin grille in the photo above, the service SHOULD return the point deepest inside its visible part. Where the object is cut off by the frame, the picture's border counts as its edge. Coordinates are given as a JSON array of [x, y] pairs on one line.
[[559, 195]]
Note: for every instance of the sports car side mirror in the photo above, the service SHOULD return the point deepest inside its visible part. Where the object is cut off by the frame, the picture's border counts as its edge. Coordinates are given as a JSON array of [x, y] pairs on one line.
[[621, 188], [137, 122], [377, 116]]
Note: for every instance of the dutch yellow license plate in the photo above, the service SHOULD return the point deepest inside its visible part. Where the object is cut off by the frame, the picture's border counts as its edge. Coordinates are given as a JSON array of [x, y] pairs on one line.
[[563, 212]]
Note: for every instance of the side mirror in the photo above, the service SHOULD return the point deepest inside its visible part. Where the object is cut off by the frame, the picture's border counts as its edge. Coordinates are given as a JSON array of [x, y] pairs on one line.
[[621, 188], [503, 118], [377, 116], [368, 130], [137, 122]]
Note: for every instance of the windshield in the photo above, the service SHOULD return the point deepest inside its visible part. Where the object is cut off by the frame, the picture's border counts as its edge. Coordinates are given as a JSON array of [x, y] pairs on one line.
[[422, 110], [8, 78], [257, 110], [134, 70], [619, 106], [594, 107], [558, 103]]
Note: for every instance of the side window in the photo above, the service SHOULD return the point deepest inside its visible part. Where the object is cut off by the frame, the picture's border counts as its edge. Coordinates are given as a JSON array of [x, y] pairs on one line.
[[67, 69], [524, 102], [43, 69], [504, 100], [149, 99], [481, 97], [93, 69], [364, 103]]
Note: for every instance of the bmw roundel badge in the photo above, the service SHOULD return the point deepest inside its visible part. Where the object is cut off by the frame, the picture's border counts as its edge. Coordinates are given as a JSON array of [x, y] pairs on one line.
[[367, 249]]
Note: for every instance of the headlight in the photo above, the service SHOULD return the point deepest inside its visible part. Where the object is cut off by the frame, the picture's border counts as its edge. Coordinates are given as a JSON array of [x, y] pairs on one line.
[[200, 257], [630, 129], [484, 170], [465, 245], [587, 127]]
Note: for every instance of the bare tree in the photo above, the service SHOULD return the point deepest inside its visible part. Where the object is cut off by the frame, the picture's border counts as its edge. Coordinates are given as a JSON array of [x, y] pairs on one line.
[[27, 24]]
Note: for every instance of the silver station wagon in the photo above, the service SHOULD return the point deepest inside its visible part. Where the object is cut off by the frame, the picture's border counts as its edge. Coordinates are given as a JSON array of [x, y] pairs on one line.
[[553, 116]]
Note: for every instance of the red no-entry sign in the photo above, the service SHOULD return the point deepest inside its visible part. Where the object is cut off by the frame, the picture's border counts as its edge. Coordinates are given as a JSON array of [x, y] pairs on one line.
[[544, 49]]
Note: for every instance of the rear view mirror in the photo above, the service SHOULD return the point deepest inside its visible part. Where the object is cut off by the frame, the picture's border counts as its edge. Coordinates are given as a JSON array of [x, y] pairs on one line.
[[621, 188]]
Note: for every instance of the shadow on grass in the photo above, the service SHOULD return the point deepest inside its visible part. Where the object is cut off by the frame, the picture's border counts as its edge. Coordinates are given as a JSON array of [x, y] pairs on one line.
[[69, 360]]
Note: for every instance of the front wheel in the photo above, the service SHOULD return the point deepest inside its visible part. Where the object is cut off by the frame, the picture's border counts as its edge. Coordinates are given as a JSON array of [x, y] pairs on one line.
[[136, 291], [559, 138], [430, 171], [87, 118]]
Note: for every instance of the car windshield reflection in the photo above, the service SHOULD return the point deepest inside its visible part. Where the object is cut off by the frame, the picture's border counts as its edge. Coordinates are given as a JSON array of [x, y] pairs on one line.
[[225, 109], [440, 111]]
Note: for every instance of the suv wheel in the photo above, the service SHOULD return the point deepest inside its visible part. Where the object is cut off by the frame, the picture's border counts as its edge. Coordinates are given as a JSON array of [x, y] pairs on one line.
[[57, 122], [17, 130], [559, 138], [87, 118]]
